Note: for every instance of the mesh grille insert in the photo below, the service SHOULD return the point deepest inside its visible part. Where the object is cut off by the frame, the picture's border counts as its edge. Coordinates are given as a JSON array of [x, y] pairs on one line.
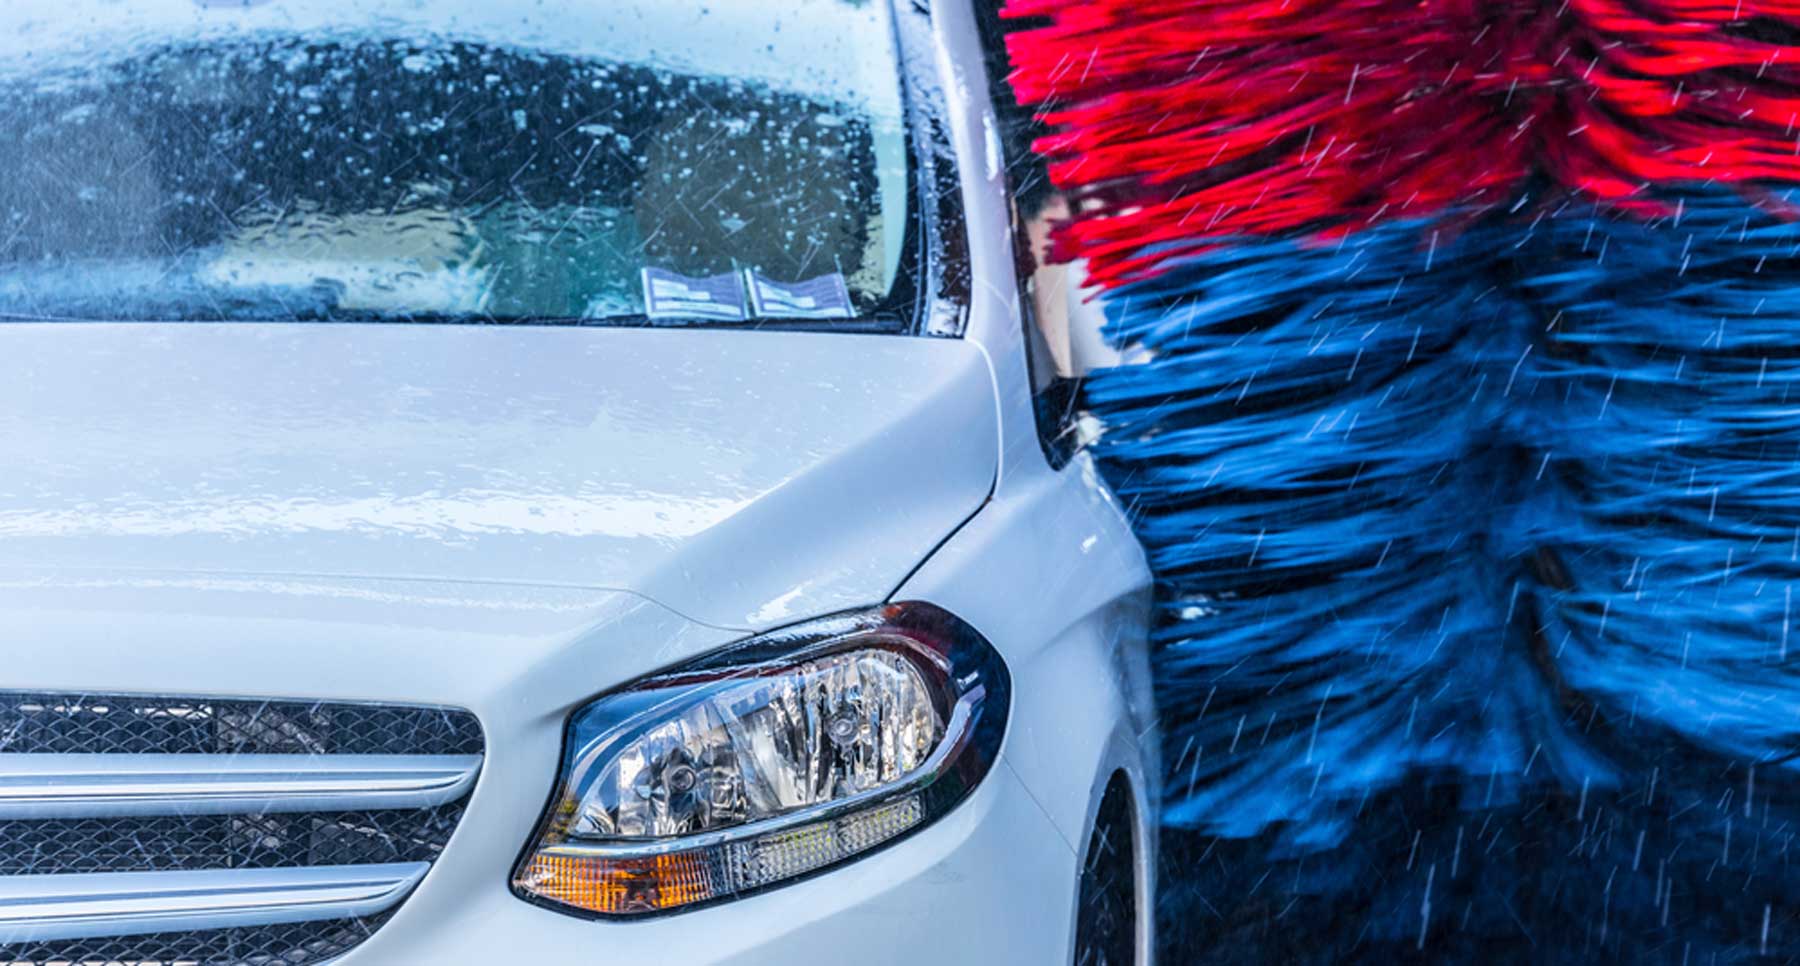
[[77, 724], [288, 944], [67, 846]]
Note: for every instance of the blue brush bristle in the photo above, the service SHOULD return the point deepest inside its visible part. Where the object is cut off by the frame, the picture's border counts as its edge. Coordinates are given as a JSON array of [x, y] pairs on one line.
[[1503, 516], [1678, 349]]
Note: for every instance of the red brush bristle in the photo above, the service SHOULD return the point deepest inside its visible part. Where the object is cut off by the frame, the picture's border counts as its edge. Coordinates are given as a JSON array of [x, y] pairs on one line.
[[1182, 121]]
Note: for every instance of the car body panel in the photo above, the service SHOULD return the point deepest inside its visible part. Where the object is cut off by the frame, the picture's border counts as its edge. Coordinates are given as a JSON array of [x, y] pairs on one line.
[[1050, 574], [503, 651], [1072, 628], [722, 473]]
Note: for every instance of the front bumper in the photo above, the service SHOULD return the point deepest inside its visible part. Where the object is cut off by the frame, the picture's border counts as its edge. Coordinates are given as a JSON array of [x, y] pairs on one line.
[[992, 882]]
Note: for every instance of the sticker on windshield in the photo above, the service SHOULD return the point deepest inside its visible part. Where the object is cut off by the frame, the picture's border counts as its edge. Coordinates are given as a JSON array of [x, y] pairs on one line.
[[825, 297], [668, 295]]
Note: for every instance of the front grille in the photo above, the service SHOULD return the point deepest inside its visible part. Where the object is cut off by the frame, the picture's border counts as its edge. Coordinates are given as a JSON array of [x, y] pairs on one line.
[[87, 724], [160, 849], [288, 944], [191, 842]]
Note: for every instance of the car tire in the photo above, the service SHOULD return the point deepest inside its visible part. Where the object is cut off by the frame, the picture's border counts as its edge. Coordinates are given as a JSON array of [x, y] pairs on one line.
[[1107, 910]]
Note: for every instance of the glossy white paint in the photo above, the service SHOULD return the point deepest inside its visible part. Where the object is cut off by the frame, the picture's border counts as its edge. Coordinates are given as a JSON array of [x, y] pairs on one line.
[[1050, 574], [726, 474], [514, 520]]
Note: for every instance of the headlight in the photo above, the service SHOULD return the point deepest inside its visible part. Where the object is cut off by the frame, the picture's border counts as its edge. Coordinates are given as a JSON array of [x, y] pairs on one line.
[[768, 761]]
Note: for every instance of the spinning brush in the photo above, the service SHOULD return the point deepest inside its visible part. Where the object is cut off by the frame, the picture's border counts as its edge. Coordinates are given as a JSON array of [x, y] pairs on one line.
[[1467, 453], [1183, 120]]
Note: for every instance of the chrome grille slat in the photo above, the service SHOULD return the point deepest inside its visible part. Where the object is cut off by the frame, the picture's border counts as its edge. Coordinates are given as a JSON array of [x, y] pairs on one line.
[[41, 908], [103, 786], [139, 829]]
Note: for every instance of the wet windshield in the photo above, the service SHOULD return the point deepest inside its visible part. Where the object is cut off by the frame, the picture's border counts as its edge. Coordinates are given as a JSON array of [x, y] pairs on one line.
[[723, 161]]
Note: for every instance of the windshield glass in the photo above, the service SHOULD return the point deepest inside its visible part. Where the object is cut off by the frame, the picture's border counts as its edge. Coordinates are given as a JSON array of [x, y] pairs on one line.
[[671, 161]]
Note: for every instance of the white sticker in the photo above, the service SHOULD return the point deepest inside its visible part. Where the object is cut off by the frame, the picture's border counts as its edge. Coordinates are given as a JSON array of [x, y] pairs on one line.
[[668, 295], [824, 297]]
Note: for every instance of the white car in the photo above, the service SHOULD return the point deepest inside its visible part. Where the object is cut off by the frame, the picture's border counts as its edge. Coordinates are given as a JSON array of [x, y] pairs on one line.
[[546, 482]]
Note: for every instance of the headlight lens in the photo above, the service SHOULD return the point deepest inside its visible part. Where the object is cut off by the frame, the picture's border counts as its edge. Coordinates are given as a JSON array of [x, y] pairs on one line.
[[758, 747], [773, 759]]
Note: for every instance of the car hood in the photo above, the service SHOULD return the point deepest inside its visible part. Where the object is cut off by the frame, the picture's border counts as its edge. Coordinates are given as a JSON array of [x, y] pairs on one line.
[[742, 479]]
